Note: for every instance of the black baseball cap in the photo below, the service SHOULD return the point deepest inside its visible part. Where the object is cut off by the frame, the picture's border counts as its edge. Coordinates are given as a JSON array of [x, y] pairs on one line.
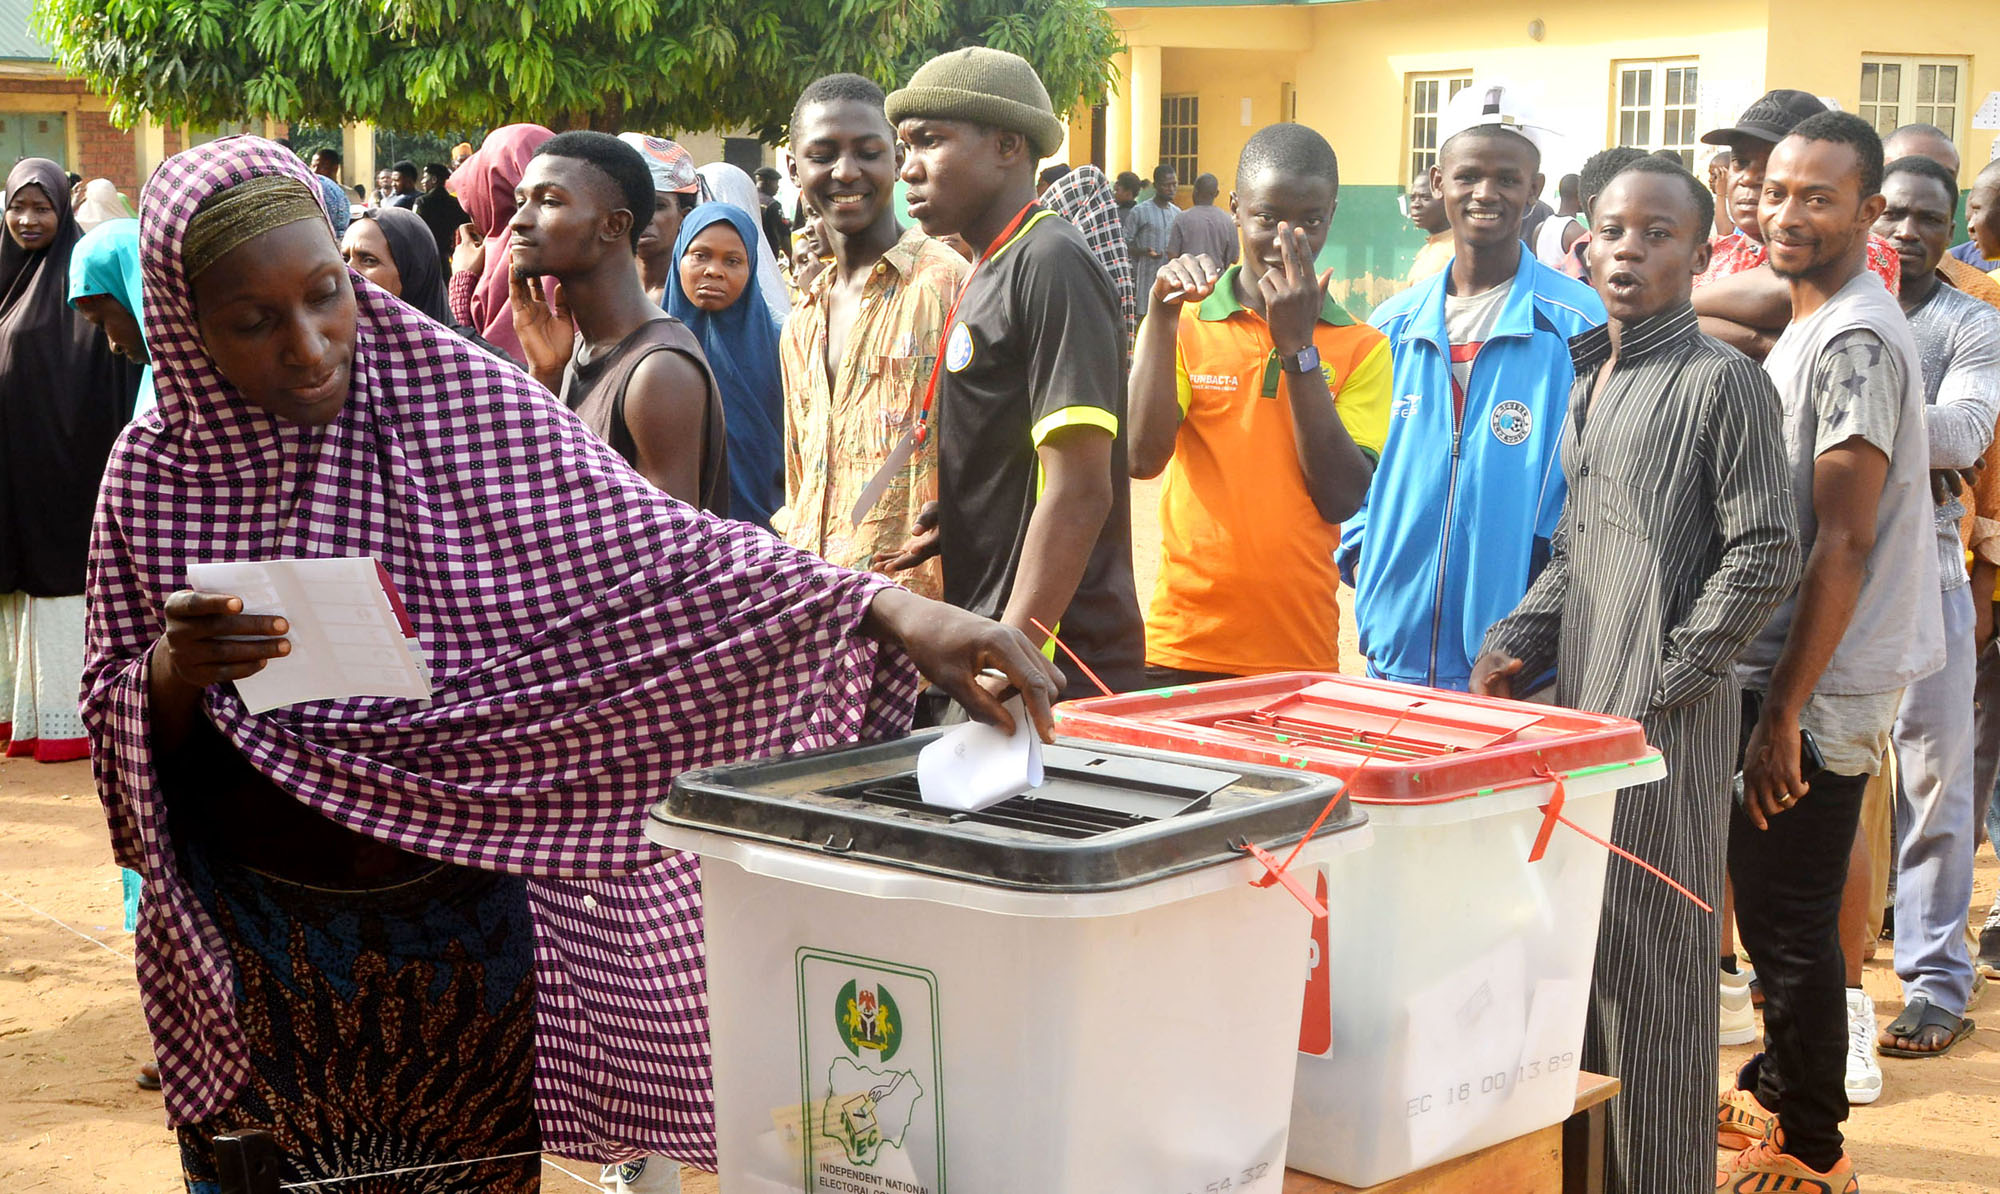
[[1771, 118]]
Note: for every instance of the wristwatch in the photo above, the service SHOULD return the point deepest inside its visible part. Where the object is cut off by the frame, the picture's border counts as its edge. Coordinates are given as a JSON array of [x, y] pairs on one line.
[[1305, 362]]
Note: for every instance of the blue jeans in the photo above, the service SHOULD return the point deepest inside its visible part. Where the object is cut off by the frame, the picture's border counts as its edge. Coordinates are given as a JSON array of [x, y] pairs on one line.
[[1934, 820]]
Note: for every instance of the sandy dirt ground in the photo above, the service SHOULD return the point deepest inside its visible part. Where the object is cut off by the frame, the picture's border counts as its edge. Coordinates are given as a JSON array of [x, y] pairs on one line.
[[71, 1037]]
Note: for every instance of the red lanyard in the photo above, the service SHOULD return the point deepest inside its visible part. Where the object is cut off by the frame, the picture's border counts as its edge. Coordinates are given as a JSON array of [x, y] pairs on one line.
[[900, 455], [922, 430]]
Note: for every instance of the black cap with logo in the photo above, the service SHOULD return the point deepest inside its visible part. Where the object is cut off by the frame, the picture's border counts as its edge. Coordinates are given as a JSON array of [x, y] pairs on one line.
[[1771, 118]]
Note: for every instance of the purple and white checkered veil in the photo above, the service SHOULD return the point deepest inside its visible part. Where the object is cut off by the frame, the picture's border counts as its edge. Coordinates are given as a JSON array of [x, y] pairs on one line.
[[589, 638]]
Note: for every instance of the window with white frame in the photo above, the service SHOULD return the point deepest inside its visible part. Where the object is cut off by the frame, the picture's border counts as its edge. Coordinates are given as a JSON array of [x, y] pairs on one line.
[[1900, 90], [1180, 136], [1425, 96], [1656, 106]]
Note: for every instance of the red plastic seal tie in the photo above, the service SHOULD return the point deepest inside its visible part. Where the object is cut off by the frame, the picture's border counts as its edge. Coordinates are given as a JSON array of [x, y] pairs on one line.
[[1281, 873], [1276, 870], [1101, 685], [1552, 813]]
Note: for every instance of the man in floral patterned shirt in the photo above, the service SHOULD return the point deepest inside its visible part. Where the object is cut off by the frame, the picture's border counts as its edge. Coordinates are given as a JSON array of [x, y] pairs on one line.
[[858, 350]]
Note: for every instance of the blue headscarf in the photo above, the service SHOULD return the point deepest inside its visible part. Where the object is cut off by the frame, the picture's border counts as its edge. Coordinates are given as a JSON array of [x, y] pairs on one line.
[[338, 211], [741, 343], [106, 261]]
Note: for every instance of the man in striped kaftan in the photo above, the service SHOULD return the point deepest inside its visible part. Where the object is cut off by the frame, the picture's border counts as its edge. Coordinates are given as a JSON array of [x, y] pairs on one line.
[[1677, 543]]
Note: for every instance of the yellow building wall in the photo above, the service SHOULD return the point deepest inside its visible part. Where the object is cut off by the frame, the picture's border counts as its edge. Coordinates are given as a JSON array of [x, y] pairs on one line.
[[1349, 64], [1352, 83], [1225, 80], [1817, 46], [1223, 55]]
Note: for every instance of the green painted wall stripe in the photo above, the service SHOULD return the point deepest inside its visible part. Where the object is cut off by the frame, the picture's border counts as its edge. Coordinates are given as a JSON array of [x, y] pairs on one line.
[[1369, 248]]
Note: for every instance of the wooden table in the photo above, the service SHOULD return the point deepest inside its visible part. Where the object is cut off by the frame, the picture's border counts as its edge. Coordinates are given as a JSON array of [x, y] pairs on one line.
[[1564, 1158]]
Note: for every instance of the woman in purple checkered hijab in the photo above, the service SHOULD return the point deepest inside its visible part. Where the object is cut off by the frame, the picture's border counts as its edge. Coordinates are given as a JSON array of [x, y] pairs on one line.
[[341, 894]]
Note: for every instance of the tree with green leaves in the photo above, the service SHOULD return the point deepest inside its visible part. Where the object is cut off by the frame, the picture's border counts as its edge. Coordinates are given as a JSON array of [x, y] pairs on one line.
[[692, 65]]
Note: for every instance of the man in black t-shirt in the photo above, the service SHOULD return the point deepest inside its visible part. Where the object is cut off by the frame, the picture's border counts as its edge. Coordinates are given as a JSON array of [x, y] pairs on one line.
[[1033, 518], [777, 228]]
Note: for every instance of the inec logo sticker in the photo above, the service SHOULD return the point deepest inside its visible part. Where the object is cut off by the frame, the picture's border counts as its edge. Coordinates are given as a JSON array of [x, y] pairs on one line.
[[870, 1076], [958, 350], [1511, 422], [869, 1020]]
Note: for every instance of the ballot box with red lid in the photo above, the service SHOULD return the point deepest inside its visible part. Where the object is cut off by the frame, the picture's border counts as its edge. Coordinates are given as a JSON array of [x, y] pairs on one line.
[[1444, 1011]]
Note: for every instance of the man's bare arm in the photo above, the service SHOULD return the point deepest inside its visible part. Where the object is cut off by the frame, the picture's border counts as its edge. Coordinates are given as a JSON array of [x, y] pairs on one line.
[[1069, 516], [666, 403]]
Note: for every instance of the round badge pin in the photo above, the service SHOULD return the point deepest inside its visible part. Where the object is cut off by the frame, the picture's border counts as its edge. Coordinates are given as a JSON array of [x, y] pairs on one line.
[[1512, 422], [958, 350]]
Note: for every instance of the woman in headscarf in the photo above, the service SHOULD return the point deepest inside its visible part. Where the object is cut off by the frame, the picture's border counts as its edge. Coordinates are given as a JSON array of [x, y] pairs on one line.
[[334, 945], [64, 395], [675, 191], [715, 291], [101, 202], [728, 184], [339, 212], [1083, 197], [104, 289], [393, 248], [485, 186]]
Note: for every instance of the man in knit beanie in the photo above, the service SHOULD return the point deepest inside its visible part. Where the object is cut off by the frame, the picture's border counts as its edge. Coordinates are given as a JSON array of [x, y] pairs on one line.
[[1033, 520]]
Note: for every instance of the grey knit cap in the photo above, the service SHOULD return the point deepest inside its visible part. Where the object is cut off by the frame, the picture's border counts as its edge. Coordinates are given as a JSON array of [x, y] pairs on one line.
[[985, 86]]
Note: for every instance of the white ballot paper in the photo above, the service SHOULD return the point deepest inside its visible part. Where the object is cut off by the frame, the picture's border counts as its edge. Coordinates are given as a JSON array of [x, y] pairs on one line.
[[977, 765], [350, 635]]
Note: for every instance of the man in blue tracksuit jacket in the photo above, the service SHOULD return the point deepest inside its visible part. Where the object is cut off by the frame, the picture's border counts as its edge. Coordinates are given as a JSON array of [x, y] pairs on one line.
[[1470, 484]]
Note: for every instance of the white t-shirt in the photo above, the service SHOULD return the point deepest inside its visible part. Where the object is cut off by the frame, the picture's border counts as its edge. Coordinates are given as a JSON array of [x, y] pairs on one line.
[[1469, 321]]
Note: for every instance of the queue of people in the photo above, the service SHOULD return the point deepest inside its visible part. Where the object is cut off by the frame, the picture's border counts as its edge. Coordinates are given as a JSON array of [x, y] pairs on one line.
[[1703, 454]]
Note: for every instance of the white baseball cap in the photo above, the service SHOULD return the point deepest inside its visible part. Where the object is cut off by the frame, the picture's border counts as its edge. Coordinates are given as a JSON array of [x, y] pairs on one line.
[[1493, 102]]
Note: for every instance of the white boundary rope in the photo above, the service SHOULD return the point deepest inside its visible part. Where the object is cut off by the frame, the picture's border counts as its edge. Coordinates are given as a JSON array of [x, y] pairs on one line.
[[579, 1177], [355, 1177], [67, 928]]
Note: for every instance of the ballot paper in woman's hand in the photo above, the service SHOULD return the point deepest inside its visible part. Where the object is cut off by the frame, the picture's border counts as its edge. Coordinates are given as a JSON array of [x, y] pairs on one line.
[[349, 633], [975, 765]]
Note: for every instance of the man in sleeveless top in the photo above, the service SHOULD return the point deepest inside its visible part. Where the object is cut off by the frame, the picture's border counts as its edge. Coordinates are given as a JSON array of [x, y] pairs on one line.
[[633, 373], [1825, 678]]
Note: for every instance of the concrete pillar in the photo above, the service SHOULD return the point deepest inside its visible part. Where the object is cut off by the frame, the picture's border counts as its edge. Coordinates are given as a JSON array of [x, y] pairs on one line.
[[1145, 89], [357, 152], [149, 143], [1118, 117]]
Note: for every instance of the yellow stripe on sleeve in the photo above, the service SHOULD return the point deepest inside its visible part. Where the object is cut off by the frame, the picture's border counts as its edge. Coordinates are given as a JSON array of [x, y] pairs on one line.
[[1183, 391], [1363, 400], [1079, 416]]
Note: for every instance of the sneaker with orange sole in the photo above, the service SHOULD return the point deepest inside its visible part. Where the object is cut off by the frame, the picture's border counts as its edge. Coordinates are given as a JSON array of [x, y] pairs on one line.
[[1743, 1122], [1765, 1170]]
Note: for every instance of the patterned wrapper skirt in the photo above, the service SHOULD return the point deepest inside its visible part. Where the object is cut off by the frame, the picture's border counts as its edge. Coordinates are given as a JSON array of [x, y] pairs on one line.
[[390, 1029], [41, 671]]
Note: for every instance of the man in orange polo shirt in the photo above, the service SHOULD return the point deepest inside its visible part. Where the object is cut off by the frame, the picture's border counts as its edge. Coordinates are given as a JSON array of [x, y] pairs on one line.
[[1267, 410]]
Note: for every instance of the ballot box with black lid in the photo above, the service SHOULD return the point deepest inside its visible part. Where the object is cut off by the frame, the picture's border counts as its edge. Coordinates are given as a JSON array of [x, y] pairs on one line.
[[1075, 990]]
